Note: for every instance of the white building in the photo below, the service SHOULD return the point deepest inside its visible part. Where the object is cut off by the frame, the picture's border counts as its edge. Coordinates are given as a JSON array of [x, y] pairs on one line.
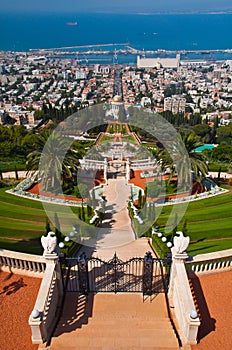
[[175, 104], [158, 62]]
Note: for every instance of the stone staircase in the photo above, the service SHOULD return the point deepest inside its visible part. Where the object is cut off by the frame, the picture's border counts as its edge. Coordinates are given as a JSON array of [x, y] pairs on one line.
[[114, 322]]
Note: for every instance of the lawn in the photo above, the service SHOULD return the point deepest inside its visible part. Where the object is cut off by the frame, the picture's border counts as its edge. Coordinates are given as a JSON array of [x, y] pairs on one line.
[[128, 139], [209, 223], [22, 222]]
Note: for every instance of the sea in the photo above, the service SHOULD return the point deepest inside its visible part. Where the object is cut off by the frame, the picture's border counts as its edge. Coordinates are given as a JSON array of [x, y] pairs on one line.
[[23, 32]]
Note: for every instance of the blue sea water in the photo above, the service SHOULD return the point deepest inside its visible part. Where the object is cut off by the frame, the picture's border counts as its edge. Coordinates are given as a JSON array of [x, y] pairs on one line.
[[21, 32]]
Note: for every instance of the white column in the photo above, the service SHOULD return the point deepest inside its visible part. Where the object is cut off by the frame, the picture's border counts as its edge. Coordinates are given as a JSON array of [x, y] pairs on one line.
[[105, 170], [127, 170]]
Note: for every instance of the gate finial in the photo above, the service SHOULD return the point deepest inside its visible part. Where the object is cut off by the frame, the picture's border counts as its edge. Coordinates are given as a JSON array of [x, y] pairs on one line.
[[148, 256]]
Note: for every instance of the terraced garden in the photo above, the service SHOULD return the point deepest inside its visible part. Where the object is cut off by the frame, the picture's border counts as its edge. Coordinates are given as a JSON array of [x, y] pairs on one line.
[[208, 223], [22, 222], [126, 138]]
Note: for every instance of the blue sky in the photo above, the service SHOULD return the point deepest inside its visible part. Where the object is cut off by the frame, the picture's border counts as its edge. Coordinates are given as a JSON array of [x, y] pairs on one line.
[[114, 6]]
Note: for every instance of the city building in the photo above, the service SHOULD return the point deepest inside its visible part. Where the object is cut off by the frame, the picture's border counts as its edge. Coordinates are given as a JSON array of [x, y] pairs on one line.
[[158, 62], [175, 104]]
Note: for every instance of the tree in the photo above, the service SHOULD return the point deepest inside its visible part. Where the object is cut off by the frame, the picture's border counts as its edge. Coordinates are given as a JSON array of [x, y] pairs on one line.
[[222, 153], [57, 228], [204, 131], [184, 158], [140, 199], [47, 226], [198, 165], [184, 228], [52, 160], [82, 191]]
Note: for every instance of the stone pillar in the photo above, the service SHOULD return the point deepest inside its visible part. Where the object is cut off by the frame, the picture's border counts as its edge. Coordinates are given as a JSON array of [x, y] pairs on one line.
[[127, 170], [180, 296], [105, 170], [38, 333], [40, 330], [177, 258]]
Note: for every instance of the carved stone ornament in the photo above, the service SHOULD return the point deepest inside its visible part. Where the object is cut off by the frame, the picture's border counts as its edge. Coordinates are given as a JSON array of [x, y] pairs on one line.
[[49, 243], [180, 243]]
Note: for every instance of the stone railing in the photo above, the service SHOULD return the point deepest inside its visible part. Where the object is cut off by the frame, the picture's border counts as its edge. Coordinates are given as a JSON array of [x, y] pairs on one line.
[[47, 199], [192, 198], [24, 264], [49, 299], [144, 164], [181, 300], [210, 263]]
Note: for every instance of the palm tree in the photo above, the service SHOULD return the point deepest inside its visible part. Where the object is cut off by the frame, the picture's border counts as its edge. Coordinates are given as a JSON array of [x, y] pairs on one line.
[[198, 164], [184, 159], [53, 158]]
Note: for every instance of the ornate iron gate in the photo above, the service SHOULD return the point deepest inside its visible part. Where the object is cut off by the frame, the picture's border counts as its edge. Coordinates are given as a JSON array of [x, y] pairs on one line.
[[146, 275]]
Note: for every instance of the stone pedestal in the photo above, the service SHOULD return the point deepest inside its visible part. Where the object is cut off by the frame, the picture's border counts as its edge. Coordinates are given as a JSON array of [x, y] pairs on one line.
[[181, 299], [51, 257]]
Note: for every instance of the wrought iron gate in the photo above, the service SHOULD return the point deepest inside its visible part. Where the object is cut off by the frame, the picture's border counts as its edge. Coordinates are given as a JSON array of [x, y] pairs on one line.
[[146, 275]]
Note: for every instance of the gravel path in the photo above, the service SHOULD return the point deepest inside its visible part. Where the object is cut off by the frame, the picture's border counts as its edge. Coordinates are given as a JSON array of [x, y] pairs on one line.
[[213, 294], [17, 297]]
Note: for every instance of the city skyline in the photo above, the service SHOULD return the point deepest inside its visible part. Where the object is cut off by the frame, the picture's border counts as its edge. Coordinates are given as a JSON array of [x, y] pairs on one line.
[[118, 6]]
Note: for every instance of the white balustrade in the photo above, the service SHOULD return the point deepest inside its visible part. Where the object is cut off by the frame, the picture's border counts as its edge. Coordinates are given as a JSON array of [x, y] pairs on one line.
[[25, 264], [211, 262], [181, 299], [48, 301]]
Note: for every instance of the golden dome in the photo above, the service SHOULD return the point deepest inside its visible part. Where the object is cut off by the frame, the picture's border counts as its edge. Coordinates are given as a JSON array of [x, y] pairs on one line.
[[117, 98]]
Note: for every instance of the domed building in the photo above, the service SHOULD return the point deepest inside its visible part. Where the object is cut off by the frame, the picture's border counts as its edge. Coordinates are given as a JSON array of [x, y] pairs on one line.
[[117, 98], [115, 106]]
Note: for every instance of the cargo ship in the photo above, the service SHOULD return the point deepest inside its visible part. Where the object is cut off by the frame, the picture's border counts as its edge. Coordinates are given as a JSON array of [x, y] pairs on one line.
[[71, 24]]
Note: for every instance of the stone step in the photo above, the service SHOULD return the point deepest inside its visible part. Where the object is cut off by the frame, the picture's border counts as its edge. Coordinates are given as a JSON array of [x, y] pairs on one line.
[[111, 332], [114, 322], [118, 343], [139, 323], [125, 347]]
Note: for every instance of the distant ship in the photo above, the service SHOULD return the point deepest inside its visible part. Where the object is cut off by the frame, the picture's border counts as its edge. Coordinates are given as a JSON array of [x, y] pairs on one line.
[[71, 23]]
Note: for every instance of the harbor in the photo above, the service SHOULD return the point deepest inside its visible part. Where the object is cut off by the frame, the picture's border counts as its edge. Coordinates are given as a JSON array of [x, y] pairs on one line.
[[124, 53]]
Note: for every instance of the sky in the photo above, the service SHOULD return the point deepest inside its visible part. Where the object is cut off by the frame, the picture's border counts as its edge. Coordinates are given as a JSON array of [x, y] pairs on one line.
[[114, 6]]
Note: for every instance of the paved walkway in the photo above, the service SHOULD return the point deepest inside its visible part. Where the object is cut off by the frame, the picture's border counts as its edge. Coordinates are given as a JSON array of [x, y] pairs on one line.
[[116, 233], [116, 226], [105, 321]]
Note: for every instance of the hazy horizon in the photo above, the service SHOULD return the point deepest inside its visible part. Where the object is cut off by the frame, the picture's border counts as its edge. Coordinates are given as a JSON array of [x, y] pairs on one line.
[[119, 6]]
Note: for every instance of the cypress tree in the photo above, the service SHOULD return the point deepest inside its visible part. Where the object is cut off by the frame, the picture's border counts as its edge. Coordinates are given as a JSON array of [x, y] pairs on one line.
[[57, 228], [140, 199], [184, 228], [47, 226]]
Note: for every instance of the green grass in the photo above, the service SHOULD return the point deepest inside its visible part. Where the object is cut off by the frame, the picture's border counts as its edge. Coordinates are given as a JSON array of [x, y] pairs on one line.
[[128, 139], [30, 246], [22, 222], [208, 223], [107, 139], [209, 246]]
